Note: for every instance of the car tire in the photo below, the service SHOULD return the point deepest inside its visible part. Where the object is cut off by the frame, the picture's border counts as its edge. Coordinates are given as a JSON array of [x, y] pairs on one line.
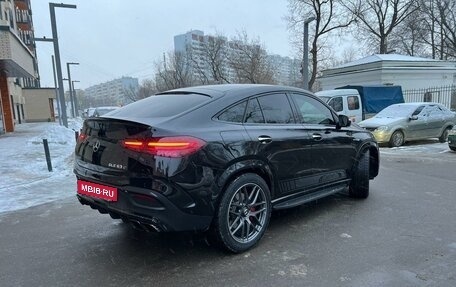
[[444, 137], [397, 139], [359, 186], [243, 214], [452, 148]]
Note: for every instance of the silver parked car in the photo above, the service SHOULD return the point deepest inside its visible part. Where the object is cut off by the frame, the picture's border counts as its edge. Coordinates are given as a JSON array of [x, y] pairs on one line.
[[100, 111], [399, 123]]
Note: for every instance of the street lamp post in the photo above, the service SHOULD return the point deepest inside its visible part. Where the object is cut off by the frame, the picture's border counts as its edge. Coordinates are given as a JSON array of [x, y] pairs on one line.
[[55, 37], [73, 110], [76, 104], [55, 40], [305, 54], [56, 91]]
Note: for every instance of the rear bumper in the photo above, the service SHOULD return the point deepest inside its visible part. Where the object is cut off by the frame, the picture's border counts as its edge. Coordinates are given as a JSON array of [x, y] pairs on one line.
[[151, 213]]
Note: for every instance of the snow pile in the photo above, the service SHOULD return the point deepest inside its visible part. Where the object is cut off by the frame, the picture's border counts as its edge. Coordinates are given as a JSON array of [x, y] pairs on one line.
[[55, 134], [24, 175]]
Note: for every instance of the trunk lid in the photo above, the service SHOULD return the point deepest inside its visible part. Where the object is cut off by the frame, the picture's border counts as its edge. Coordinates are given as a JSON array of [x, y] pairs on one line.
[[99, 146]]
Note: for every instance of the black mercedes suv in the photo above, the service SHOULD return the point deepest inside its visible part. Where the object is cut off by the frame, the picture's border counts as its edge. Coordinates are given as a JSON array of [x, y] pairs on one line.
[[220, 158]]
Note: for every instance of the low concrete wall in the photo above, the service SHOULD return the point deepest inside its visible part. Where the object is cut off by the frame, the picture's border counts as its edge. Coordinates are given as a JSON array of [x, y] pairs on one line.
[[39, 104]]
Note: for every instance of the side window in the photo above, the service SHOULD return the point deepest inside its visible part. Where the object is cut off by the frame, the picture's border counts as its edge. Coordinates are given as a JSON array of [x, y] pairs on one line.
[[253, 113], [234, 114], [434, 111], [336, 104], [418, 111], [276, 109], [353, 103], [312, 111], [444, 111]]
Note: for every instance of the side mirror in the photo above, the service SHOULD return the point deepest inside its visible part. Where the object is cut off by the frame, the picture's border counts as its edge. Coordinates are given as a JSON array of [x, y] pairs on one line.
[[413, 118], [344, 121]]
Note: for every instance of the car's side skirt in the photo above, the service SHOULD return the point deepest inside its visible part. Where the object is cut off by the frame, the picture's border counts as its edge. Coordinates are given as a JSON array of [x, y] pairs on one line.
[[305, 196]]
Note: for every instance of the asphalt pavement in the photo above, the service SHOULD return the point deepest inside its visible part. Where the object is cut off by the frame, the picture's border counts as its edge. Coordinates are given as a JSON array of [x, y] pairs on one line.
[[403, 235]]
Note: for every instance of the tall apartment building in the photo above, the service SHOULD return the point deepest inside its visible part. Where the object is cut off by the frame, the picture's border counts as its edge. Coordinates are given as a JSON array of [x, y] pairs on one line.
[[192, 44], [112, 93], [286, 70], [18, 67]]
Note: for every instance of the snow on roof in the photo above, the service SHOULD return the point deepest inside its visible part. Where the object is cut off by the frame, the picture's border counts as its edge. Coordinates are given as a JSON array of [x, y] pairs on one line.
[[385, 57]]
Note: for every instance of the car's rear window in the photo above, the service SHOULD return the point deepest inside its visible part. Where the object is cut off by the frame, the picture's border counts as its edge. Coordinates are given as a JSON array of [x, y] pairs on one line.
[[161, 106]]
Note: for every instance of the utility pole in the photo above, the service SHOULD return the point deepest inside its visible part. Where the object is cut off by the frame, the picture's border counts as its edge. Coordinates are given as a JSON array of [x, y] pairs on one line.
[[55, 40], [76, 104], [73, 110], [305, 54], [56, 91]]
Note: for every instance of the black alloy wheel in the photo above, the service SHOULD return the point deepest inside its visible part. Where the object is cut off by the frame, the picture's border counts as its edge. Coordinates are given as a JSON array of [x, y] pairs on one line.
[[243, 216]]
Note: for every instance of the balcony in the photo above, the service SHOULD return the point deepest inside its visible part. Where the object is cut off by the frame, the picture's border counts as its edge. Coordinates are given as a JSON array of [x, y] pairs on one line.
[[16, 60], [22, 16]]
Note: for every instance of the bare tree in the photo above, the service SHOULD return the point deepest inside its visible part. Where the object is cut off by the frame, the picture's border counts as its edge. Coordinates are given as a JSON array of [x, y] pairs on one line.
[[377, 19], [411, 36], [211, 64], [427, 8], [329, 17], [173, 72], [146, 89], [348, 54], [447, 22], [440, 24], [249, 61]]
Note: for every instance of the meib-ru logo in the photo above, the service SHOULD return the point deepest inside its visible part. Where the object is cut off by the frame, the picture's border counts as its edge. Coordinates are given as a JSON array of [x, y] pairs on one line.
[[97, 190]]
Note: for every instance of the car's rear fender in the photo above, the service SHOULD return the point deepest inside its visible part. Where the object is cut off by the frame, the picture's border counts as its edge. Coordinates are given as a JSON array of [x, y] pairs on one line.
[[250, 165]]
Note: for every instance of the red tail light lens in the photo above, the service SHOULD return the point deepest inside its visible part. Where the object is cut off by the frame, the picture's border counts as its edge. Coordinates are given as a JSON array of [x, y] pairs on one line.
[[166, 146], [81, 137]]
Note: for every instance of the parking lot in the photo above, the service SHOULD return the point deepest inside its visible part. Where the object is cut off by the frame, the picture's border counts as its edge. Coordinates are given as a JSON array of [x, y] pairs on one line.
[[402, 235]]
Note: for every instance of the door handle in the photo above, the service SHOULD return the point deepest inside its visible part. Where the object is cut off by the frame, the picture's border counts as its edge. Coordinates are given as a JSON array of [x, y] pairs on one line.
[[264, 139], [317, 137]]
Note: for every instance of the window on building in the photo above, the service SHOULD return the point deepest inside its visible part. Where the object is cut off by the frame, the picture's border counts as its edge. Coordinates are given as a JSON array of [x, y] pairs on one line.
[[11, 19], [12, 104]]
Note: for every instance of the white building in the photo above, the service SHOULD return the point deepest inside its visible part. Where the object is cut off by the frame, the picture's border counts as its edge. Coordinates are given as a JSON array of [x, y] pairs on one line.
[[112, 93], [192, 44], [286, 70], [18, 66], [391, 69]]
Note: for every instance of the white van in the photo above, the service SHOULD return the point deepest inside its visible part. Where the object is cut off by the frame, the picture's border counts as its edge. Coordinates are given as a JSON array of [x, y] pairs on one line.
[[344, 102]]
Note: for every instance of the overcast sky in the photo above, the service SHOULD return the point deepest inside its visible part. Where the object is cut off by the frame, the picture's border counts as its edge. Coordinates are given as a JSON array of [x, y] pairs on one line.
[[112, 38]]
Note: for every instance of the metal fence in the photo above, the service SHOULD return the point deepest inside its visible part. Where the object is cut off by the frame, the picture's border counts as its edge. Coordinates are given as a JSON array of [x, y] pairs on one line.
[[445, 95]]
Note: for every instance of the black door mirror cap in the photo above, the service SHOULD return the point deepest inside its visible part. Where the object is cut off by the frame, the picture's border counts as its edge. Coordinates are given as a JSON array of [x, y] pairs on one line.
[[344, 121], [413, 118]]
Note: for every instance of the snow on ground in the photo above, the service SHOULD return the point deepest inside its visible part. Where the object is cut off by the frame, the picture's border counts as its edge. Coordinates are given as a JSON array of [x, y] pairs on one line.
[[424, 147], [24, 177]]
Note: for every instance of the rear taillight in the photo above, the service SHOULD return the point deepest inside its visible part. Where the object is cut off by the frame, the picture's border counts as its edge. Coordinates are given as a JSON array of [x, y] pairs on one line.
[[166, 146], [81, 137]]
